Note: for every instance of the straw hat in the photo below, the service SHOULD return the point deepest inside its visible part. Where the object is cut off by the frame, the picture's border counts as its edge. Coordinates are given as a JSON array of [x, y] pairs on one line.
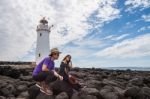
[[55, 50]]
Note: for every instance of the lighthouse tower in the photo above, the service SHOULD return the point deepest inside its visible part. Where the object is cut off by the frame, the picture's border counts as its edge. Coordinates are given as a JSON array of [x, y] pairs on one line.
[[42, 46]]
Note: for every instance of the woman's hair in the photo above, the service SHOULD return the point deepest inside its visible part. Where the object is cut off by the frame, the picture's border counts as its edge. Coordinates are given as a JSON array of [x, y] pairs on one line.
[[66, 57]]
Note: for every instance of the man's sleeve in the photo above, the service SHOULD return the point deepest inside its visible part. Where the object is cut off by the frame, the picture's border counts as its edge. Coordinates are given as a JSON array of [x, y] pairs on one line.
[[46, 62], [49, 64]]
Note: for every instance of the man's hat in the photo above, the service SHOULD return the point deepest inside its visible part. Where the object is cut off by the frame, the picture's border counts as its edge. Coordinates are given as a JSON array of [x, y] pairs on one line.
[[55, 50]]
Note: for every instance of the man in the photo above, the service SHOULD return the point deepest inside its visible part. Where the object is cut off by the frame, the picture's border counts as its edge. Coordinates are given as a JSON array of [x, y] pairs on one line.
[[44, 72]]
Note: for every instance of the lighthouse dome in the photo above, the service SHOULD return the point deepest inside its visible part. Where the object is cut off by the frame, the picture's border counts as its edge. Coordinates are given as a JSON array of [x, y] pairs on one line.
[[44, 21]]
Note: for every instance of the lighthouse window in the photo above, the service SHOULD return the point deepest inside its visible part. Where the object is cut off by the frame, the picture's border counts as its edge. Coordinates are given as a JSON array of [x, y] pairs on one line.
[[39, 54], [40, 34]]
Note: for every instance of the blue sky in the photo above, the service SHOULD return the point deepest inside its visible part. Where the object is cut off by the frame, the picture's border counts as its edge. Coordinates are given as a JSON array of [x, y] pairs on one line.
[[97, 33]]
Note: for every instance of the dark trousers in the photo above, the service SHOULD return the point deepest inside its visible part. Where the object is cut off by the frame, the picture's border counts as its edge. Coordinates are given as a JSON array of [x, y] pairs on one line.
[[47, 76]]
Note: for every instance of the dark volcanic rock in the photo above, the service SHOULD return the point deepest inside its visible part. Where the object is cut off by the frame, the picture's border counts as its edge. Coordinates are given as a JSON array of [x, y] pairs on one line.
[[4, 92], [11, 88], [62, 95], [1, 97], [83, 96], [33, 92], [61, 86], [9, 71], [24, 72], [144, 93], [132, 92], [22, 88], [13, 72], [110, 95], [137, 81], [90, 91], [26, 78], [146, 80], [43, 96], [23, 95], [89, 97], [109, 92], [75, 96], [96, 84]]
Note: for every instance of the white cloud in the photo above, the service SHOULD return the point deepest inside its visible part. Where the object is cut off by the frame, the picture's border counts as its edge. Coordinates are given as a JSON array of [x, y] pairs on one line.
[[136, 47], [116, 38], [141, 29], [108, 11], [88, 43], [144, 28], [18, 20], [146, 18], [120, 37], [133, 4]]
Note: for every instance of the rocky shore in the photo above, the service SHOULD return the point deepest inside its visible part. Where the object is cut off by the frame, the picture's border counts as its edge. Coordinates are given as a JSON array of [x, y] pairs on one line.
[[98, 84]]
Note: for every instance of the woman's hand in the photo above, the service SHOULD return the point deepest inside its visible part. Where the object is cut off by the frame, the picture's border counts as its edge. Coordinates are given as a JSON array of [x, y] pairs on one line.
[[69, 76], [70, 64]]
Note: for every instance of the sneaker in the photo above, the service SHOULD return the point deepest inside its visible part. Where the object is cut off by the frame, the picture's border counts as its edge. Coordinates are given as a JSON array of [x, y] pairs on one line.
[[84, 87], [38, 85], [47, 91]]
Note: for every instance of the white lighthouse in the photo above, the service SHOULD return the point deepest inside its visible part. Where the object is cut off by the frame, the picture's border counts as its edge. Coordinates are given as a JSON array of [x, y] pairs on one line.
[[43, 45]]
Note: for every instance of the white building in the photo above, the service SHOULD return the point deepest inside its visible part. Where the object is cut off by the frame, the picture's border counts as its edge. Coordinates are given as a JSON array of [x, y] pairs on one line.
[[43, 45]]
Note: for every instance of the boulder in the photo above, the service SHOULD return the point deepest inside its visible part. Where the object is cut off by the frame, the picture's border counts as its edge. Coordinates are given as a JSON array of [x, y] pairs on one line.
[[89, 97], [62, 95], [112, 83], [4, 92], [94, 84], [43, 96], [144, 93], [61, 86], [132, 91], [14, 98], [109, 95], [11, 88], [90, 91], [33, 92], [26, 78], [136, 81], [21, 88], [75, 96], [81, 95], [2, 97], [24, 94], [107, 92]]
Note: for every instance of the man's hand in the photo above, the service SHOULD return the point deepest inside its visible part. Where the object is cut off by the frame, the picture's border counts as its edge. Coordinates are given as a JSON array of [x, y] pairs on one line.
[[60, 77]]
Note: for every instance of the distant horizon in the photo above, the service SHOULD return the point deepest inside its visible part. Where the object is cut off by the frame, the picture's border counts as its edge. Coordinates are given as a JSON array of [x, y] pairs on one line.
[[84, 66]]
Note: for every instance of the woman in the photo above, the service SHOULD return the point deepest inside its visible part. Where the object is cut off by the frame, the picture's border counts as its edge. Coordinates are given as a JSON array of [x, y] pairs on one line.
[[65, 66], [44, 72]]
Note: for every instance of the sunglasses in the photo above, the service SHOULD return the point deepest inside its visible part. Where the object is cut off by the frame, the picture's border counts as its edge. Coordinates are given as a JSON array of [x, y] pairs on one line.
[[69, 57], [56, 53]]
